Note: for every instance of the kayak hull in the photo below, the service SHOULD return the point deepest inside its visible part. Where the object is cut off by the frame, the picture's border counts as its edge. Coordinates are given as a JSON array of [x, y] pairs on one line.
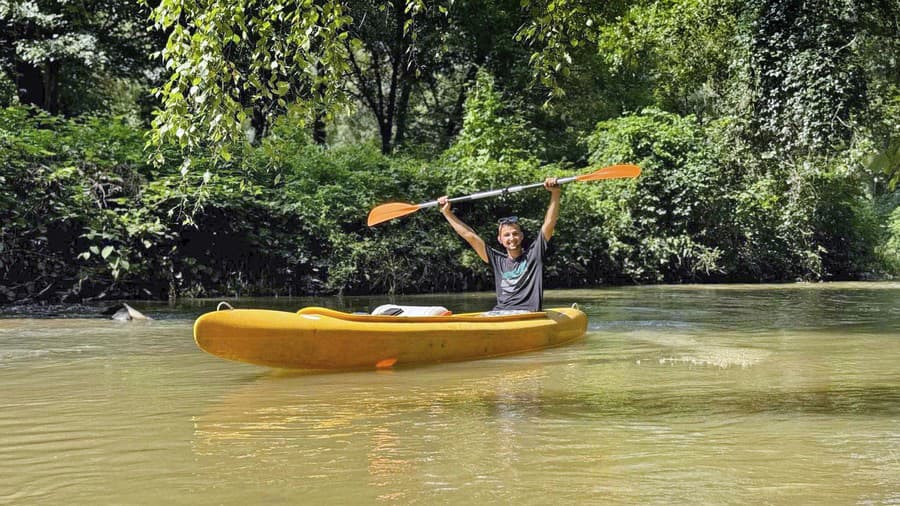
[[324, 339]]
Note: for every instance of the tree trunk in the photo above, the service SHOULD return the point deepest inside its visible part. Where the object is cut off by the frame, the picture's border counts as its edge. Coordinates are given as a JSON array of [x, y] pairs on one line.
[[29, 84], [384, 127], [260, 124], [402, 110], [454, 122], [319, 135]]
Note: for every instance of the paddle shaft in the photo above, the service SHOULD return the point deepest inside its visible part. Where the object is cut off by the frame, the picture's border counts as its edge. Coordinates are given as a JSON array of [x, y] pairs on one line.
[[392, 210], [495, 193]]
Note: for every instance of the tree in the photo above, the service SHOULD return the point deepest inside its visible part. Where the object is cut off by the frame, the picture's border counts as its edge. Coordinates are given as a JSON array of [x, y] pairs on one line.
[[323, 54], [239, 65], [555, 31], [809, 68], [384, 50], [806, 82], [227, 58], [61, 55]]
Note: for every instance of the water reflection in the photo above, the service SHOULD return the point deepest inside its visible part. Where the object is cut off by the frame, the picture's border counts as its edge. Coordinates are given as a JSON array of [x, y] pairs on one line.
[[402, 430]]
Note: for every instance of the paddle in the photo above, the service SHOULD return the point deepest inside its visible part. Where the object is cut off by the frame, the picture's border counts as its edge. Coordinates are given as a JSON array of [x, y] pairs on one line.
[[392, 210]]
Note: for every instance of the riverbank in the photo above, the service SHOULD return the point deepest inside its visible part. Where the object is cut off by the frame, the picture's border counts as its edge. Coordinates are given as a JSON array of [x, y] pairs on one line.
[[87, 217]]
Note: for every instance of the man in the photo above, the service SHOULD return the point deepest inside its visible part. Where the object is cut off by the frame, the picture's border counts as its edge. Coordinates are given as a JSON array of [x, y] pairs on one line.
[[518, 271]]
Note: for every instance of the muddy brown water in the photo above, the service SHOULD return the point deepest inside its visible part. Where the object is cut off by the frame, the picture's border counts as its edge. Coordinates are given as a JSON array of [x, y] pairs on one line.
[[779, 394]]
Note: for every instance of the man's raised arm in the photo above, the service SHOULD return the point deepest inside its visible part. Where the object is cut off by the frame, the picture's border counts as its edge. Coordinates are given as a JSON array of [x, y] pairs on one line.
[[463, 230], [553, 209]]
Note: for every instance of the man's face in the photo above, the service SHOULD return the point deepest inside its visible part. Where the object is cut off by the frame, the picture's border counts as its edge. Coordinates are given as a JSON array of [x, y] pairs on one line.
[[510, 236]]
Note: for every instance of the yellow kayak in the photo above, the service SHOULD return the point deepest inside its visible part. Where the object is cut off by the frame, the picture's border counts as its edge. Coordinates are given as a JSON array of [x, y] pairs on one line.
[[322, 339]]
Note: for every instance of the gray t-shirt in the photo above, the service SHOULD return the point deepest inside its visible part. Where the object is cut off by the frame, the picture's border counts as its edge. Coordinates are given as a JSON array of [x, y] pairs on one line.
[[519, 282]]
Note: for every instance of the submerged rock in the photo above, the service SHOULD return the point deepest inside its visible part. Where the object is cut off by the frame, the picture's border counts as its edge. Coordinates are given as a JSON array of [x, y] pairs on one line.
[[124, 312]]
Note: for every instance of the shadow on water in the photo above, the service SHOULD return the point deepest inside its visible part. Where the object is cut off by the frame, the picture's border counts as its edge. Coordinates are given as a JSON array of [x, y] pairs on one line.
[[883, 401]]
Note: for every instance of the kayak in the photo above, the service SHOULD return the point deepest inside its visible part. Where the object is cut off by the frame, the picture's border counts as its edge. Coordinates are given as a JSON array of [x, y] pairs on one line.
[[325, 339]]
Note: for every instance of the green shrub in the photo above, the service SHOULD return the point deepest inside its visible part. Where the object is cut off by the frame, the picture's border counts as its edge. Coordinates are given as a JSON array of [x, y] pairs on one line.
[[888, 250], [492, 130], [84, 216], [63, 183], [707, 209], [663, 226]]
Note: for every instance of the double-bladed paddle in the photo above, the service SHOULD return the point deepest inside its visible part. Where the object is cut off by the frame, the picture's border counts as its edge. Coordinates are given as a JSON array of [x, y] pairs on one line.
[[392, 210]]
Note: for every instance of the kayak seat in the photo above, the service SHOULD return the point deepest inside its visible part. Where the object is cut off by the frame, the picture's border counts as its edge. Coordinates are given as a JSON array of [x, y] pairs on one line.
[[395, 310]]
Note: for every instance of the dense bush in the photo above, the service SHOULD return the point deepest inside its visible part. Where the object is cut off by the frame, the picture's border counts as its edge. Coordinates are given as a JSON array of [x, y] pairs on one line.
[[672, 214], [83, 215], [62, 187], [705, 209], [891, 250]]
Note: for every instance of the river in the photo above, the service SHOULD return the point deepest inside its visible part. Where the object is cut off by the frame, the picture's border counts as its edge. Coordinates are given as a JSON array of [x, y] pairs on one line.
[[778, 394]]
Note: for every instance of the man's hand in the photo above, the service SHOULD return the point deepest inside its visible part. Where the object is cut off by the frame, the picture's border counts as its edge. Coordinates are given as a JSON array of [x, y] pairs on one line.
[[552, 184], [444, 204]]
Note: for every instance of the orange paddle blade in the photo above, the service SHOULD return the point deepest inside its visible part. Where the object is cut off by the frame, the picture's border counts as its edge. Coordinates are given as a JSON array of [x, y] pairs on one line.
[[389, 211], [612, 172]]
